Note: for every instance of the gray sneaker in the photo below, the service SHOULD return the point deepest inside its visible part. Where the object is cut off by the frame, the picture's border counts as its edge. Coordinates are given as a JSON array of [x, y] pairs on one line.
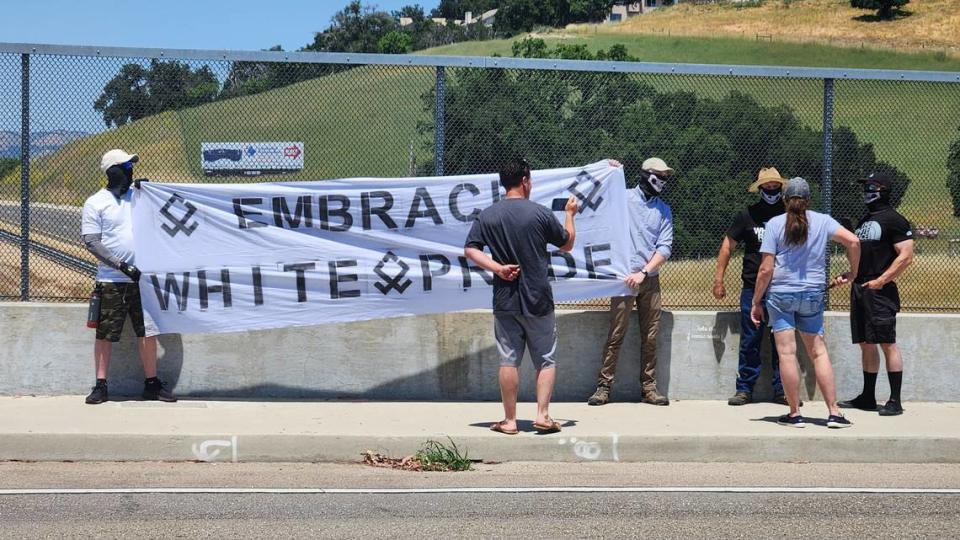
[[740, 398], [601, 396]]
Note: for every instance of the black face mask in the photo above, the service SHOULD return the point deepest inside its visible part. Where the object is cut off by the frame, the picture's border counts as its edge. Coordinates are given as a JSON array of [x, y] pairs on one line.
[[771, 196], [882, 202], [647, 186], [119, 180]]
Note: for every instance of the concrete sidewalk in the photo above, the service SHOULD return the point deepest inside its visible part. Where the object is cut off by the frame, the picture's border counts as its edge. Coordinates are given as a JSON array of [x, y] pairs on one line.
[[64, 428]]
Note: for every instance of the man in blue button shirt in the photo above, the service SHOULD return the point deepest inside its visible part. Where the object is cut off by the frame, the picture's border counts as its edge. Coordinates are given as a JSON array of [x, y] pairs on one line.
[[651, 233]]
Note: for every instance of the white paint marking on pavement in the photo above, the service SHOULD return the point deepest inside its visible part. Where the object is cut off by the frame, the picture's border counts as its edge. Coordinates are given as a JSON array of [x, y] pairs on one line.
[[405, 491], [203, 453]]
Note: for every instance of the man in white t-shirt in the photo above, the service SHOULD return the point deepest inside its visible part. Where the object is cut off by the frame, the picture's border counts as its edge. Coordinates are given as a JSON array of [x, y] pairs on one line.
[[107, 231]]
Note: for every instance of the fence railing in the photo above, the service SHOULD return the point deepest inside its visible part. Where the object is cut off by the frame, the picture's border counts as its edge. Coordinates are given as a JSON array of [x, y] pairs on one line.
[[353, 115]]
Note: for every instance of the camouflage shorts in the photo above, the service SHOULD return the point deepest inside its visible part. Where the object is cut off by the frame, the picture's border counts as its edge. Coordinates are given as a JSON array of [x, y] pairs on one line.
[[117, 300]]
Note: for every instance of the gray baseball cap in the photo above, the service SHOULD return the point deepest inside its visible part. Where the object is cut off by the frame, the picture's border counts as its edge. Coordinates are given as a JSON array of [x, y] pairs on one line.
[[796, 187]]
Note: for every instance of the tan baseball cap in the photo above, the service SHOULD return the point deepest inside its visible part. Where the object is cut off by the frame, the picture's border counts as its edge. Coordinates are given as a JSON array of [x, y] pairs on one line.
[[656, 164], [767, 174], [116, 157]]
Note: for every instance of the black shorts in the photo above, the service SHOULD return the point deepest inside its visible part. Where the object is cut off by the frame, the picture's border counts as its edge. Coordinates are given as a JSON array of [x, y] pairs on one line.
[[873, 314], [117, 300]]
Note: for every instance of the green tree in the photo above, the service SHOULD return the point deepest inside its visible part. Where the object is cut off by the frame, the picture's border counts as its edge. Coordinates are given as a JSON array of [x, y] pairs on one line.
[[455, 9], [395, 42], [588, 10], [139, 91], [355, 28], [564, 118], [8, 165], [885, 8], [516, 16], [953, 175]]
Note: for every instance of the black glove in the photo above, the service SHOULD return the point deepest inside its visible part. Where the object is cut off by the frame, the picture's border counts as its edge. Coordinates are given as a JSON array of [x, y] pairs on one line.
[[136, 183], [131, 271]]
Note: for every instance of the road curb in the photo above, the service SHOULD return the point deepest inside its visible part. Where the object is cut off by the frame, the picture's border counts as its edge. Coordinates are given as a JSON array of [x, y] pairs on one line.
[[818, 448]]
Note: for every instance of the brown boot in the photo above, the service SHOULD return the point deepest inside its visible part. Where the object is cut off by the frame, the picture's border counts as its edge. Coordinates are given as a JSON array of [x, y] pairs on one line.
[[601, 396], [655, 398]]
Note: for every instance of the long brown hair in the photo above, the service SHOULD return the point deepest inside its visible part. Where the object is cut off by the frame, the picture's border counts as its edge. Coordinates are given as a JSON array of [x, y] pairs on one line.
[[797, 226]]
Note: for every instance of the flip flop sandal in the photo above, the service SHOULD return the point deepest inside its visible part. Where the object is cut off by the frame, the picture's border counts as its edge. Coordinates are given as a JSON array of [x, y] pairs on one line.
[[498, 427], [552, 427]]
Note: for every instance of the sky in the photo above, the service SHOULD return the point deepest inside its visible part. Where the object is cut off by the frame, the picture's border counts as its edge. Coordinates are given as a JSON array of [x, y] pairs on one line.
[[180, 24], [244, 25]]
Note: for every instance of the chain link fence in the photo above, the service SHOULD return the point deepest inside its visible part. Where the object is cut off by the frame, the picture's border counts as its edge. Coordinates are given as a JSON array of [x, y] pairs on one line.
[[189, 115]]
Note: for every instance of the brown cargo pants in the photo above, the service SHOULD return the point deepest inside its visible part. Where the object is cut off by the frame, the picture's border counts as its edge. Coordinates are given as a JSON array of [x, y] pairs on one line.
[[648, 304]]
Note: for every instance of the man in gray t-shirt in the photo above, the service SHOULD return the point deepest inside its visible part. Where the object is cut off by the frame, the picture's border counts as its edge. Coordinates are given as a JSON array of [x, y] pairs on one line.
[[517, 232]]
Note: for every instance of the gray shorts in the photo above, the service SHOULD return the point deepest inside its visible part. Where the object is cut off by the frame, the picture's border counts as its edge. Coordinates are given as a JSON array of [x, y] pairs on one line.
[[514, 333]]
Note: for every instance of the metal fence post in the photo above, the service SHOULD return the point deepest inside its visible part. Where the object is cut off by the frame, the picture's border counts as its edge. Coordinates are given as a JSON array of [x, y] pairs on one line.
[[827, 179], [827, 145], [24, 177], [439, 122]]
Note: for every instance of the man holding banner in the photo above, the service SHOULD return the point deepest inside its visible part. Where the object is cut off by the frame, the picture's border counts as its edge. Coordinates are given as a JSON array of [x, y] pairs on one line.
[[517, 232], [107, 231], [651, 230]]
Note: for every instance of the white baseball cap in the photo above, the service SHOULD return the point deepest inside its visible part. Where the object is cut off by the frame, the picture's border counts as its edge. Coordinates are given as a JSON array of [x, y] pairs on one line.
[[116, 157], [655, 164]]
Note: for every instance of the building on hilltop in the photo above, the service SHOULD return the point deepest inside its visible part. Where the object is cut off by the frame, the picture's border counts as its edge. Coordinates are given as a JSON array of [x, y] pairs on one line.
[[622, 11], [487, 18]]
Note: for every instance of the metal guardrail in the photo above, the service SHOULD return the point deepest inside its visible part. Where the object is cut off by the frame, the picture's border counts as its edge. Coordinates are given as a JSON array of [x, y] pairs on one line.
[[489, 62], [53, 254]]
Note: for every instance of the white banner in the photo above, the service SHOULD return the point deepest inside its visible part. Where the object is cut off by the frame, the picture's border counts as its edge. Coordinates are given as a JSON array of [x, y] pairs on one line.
[[229, 257]]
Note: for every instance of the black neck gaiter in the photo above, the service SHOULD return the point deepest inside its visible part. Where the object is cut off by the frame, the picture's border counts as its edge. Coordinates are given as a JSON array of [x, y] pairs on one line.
[[119, 180]]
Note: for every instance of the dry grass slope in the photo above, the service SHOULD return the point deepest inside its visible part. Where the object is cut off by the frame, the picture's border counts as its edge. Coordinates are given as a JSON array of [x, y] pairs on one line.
[[931, 24]]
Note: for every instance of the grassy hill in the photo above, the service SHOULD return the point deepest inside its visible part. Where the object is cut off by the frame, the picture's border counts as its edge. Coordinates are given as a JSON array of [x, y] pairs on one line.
[[358, 122], [660, 47], [925, 24]]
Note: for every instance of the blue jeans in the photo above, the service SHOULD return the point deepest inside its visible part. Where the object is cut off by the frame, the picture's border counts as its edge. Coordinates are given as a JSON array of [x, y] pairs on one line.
[[796, 310], [750, 339]]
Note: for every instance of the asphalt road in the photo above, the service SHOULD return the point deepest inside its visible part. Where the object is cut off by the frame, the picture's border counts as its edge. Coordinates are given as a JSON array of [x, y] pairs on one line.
[[534, 515], [60, 222], [463, 514]]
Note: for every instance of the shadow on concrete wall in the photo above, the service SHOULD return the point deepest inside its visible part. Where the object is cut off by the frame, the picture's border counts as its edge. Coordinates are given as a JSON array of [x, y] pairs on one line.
[[726, 324], [126, 370], [471, 375]]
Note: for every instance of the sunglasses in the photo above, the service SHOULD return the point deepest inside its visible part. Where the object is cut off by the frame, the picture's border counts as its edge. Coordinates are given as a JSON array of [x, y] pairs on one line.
[[128, 166]]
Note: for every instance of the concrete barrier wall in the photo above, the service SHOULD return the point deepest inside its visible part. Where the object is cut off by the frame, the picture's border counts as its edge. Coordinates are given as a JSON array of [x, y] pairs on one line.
[[45, 349]]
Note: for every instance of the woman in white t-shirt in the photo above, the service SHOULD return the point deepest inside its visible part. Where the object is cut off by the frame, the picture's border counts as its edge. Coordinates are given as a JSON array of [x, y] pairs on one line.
[[794, 266]]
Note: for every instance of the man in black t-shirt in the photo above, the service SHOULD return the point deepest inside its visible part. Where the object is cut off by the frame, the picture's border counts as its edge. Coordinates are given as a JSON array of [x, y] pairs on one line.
[[886, 249], [747, 229], [517, 231]]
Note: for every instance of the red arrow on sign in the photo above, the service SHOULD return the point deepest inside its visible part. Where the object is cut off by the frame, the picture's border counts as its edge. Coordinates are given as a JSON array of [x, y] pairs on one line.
[[292, 151]]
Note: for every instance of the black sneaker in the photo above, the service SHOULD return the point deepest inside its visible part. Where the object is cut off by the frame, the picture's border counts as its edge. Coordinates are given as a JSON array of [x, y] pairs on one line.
[[859, 402], [891, 408], [98, 395], [837, 422], [740, 398], [792, 421], [154, 389]]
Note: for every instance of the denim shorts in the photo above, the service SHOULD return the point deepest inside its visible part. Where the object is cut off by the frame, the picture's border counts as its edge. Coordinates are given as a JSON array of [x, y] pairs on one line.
[[800, 310]]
